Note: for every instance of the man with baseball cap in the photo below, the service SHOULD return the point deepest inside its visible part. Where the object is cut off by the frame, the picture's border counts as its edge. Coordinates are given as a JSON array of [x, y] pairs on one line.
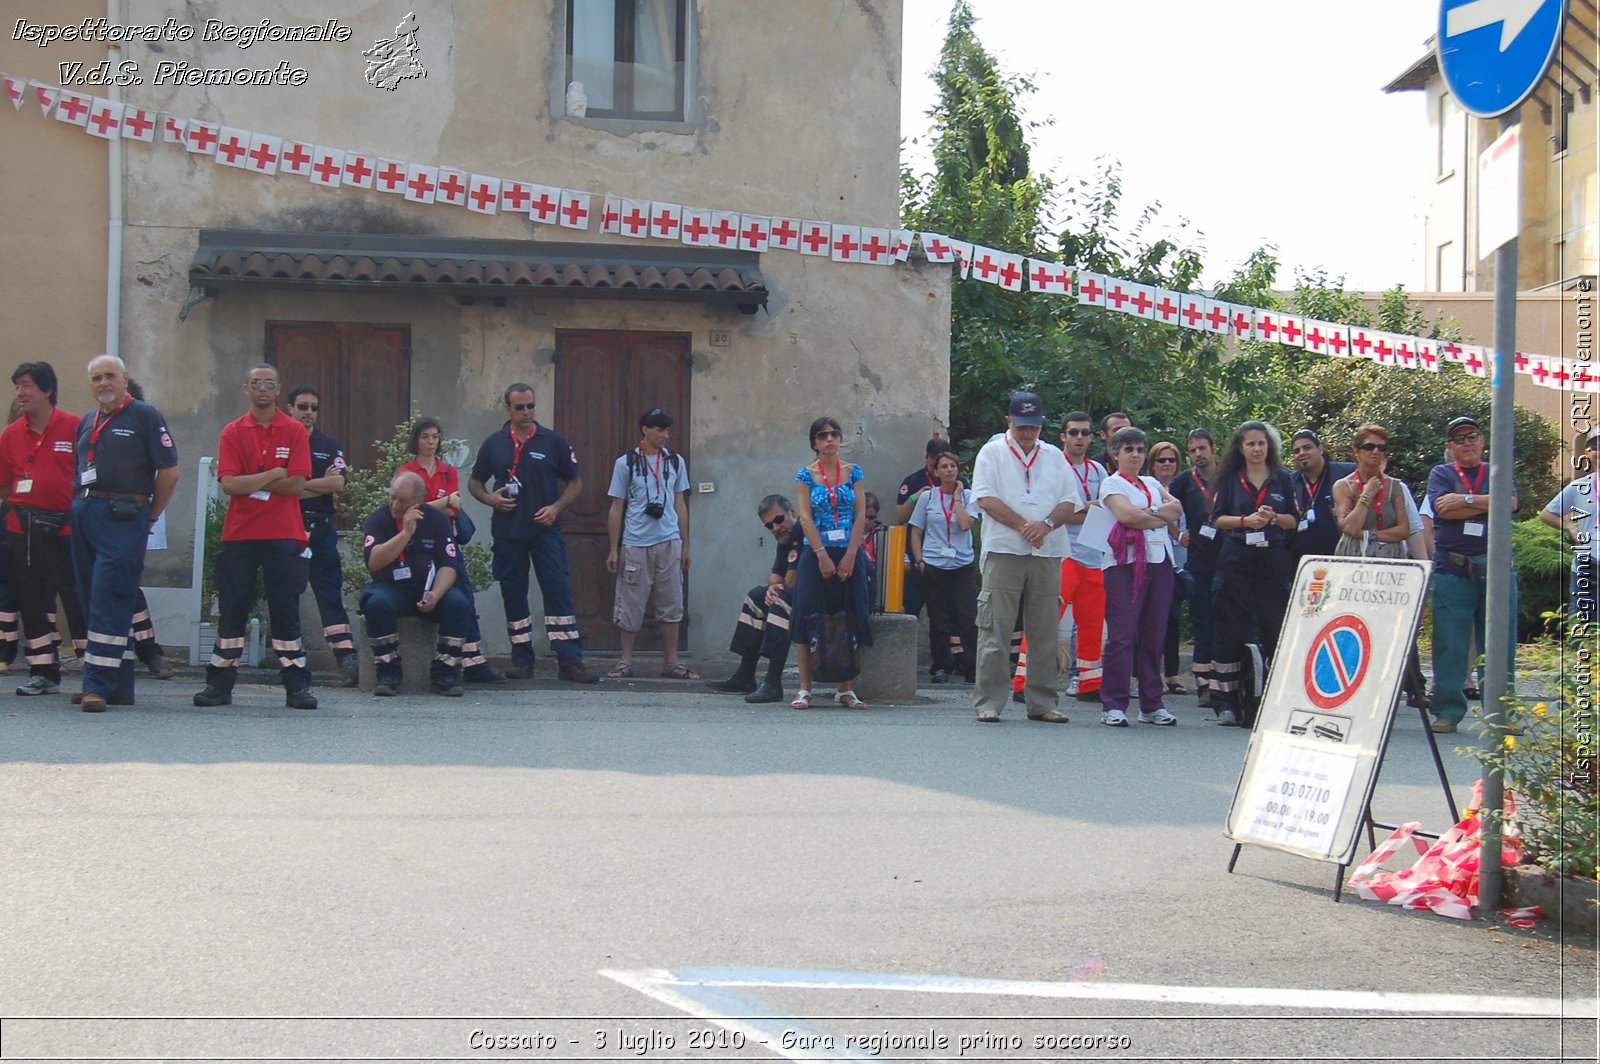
[[1458, 490], [1573, 512], [1026, 491]]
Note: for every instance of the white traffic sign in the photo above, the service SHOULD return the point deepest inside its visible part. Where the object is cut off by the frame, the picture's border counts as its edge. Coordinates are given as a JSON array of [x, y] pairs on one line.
[[1499, 180], [1325, 714], [1493, 52]]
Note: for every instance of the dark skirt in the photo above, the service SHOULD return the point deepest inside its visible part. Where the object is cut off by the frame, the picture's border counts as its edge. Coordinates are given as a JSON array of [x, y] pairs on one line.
[[814, 596]]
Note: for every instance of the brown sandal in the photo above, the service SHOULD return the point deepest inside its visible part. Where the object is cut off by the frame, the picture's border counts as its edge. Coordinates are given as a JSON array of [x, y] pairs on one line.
[[621, 671], [679, 671]]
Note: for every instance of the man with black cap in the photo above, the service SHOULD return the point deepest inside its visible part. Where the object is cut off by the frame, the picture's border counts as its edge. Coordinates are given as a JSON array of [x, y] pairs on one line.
[[1458, 490], [1026, 491], [648, 556], [1313, 479]]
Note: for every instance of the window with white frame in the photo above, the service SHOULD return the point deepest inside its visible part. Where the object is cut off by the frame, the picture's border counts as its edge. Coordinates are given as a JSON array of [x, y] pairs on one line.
[[629, 57]]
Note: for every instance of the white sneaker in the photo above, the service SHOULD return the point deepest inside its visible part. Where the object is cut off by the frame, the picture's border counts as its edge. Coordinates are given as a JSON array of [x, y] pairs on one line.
[[1160, 716], [1113, 718]]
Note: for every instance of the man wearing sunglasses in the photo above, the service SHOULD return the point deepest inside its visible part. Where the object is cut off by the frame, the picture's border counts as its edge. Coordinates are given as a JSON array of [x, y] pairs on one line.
[[1313, 479], [316, 508], [763, 628], [1459, 493], [535, 473], [263, 459]]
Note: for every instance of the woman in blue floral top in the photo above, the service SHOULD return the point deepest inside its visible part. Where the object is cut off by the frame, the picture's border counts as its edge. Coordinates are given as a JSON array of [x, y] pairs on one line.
[[834, 571]]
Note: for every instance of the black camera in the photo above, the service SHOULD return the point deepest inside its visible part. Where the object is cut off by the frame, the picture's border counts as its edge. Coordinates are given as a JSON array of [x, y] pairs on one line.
[[654, 509]]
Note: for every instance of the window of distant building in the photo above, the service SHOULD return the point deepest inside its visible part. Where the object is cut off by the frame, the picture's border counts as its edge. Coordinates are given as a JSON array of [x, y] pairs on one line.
[[1451, 123], [629, 56]]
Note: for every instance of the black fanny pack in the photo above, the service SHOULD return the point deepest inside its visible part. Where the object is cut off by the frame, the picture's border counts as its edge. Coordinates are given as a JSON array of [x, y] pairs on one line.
[[41, 523]]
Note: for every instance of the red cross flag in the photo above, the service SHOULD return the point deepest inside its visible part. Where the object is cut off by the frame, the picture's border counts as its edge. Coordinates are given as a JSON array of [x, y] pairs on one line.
[[483, 194], [1362, 340], [391, 176], [755, 232], [1092, 288], [296, 158], [1267, 326], [574, 211], [1242, 322], [816, 238], [1475, 358], [73, 107], [139, 124], [1584, 378], [1405, 351], [1427, 354], [666, 221], [1192, 311], [514, 196], [1292, 330], [725, 229], [611, 215], [105, 120], [17, 89], [846, 246], [44, 96], [358, 170], [877, 247], [963, 258], [264, 153], [938, 248], [696, 228], [1539, 370], [1384, 346], [1450, 351], [233, 145], [453, 187], [784, 235], [1317, 336], [174, 130], [1141, 300], [635, 220], [1011, 271], [1168, 306], [902, 244], [1047, 276], [1118, 294], [544, 203], [422, 183], [327, 166]]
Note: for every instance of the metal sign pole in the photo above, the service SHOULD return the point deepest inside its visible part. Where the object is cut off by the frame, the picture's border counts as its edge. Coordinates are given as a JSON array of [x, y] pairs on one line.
[[1499, 624]]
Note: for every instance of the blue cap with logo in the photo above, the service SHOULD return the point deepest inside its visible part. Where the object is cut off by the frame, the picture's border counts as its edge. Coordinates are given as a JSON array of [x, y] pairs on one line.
[[1026, 409]]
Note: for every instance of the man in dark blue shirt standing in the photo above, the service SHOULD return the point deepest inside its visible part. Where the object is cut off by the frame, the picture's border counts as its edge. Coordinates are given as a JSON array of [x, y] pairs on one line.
[[317, 508], [535, 474]]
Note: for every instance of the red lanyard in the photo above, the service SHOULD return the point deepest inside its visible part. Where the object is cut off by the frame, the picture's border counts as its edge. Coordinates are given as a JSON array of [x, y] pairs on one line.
[[518, 445], [54, 413], [1083, 478], [949, 514], [1261, 496], [1472, 489], [100, 423], [655, 471], [833, 494], [1311, 491], [1027, 463], [1383, 488], [1149, 499]]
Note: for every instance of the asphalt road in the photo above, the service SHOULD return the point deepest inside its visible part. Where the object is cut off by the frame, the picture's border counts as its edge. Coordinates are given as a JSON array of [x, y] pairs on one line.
[[652, 871]]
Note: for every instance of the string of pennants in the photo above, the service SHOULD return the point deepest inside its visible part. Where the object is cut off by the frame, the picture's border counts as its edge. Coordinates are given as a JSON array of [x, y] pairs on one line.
[[331, 167]]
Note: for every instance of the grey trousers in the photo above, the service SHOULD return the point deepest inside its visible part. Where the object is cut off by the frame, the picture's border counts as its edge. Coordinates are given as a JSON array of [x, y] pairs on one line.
[[1035, 582]]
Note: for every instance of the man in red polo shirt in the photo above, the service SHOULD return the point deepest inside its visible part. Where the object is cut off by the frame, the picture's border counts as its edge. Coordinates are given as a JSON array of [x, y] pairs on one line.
[[263, 459], [36, 470]]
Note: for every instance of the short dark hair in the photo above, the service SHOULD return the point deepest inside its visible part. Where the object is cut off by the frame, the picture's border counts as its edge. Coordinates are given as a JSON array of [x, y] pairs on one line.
[[42, 374], [513, 388], [302, 389], [770, 501], [1105, 422], [937, 446], [1124, 436], [1199, 434], [135, 389], [1077, 415], [423, 425]]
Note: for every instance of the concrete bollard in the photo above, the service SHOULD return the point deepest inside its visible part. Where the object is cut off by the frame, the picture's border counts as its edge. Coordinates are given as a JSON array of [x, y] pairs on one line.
[[417, 641], [889, 666]]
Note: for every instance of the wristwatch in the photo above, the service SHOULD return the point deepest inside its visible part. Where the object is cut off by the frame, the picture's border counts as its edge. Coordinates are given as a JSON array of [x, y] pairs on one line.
[[1049, 523], [1472, 500]]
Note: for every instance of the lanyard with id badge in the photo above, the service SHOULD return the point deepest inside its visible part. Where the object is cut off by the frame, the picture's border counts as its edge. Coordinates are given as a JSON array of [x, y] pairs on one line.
[[1472, 527], [1028, 497], [834, 537], [1257, 538], [89, 476]]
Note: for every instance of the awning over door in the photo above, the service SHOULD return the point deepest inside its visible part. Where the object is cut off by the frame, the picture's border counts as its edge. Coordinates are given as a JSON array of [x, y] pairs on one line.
[[476, 269]]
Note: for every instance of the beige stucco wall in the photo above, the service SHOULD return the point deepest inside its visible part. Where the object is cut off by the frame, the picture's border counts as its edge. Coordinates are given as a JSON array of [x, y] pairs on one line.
[[797, 114]]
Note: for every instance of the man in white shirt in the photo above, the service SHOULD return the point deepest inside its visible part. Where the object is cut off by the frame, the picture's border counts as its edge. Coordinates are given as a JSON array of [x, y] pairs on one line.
[[1026, 492], [1573, 512]]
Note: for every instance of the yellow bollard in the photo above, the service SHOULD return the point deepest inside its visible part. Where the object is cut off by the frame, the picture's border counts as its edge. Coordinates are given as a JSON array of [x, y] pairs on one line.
[[893, 569]]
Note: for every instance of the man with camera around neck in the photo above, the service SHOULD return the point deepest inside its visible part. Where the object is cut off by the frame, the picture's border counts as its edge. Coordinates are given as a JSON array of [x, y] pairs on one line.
[[649, 557]]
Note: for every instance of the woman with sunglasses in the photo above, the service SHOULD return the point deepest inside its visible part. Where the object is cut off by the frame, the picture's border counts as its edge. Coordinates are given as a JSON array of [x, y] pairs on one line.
[[443, 492], [1163, 463], [834, 571], [1254, 512], [1375, 512]]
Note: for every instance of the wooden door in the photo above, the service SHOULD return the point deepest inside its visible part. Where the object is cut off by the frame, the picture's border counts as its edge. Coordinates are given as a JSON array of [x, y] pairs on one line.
[[362, 371], [604, 382]]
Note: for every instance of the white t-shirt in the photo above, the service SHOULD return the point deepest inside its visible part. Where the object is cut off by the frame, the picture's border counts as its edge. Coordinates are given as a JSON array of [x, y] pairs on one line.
[[1032, 486], [1157, 542], [1579, 497]]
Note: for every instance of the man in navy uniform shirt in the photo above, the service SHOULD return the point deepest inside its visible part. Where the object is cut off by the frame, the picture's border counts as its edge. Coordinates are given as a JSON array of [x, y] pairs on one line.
[[412, 557], [316, 507], [535, 474], [1313, 479], [127, 469]]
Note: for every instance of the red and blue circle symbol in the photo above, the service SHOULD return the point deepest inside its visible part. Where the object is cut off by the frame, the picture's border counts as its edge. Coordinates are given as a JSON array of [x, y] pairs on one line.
[[1338, 661]]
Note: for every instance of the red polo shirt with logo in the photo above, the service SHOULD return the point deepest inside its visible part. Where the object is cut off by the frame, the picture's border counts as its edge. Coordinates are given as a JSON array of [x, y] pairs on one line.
[[45, 458], [248, 447]]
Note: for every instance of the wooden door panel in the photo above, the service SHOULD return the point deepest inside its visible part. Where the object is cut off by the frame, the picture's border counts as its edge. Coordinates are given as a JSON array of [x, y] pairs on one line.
[[374, 386]]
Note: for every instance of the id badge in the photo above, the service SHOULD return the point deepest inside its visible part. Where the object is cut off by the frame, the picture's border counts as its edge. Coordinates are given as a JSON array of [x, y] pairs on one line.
[[262, 496], [402, 572], [1208, 531], [24, 486], [1472, 528], [835, 537], [1311, 515], [945, 553], [1258, 538], [87, 477], [1028, 498]]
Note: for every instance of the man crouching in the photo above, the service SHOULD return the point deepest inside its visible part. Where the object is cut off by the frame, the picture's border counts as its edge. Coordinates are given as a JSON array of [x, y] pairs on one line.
[[413, 559]]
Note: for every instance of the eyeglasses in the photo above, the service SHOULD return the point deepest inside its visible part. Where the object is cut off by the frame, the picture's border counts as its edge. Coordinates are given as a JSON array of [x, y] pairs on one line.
[[519, 407], [308, 407], [1381, 448], [830, 434], [1080, 432], [1467, 437], [776, 521], [263, 386]]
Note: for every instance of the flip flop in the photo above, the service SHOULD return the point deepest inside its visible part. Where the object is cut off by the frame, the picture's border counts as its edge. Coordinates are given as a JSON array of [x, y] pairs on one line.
[[622, 671]]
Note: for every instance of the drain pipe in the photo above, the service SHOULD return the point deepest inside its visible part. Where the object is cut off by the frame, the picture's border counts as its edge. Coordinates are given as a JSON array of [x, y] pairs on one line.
[[114, 195]]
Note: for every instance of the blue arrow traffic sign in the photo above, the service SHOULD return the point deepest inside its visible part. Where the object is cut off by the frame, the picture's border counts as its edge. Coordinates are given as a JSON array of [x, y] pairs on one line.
[[1493, 52]]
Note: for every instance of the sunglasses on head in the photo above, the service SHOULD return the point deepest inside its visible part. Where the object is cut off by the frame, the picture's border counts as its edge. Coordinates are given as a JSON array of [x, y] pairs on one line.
[[1381, 448], [308, 406], [521, 406]]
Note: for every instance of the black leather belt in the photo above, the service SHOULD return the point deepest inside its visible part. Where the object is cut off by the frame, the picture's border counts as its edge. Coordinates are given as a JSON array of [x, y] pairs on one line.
[[92, 493]]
